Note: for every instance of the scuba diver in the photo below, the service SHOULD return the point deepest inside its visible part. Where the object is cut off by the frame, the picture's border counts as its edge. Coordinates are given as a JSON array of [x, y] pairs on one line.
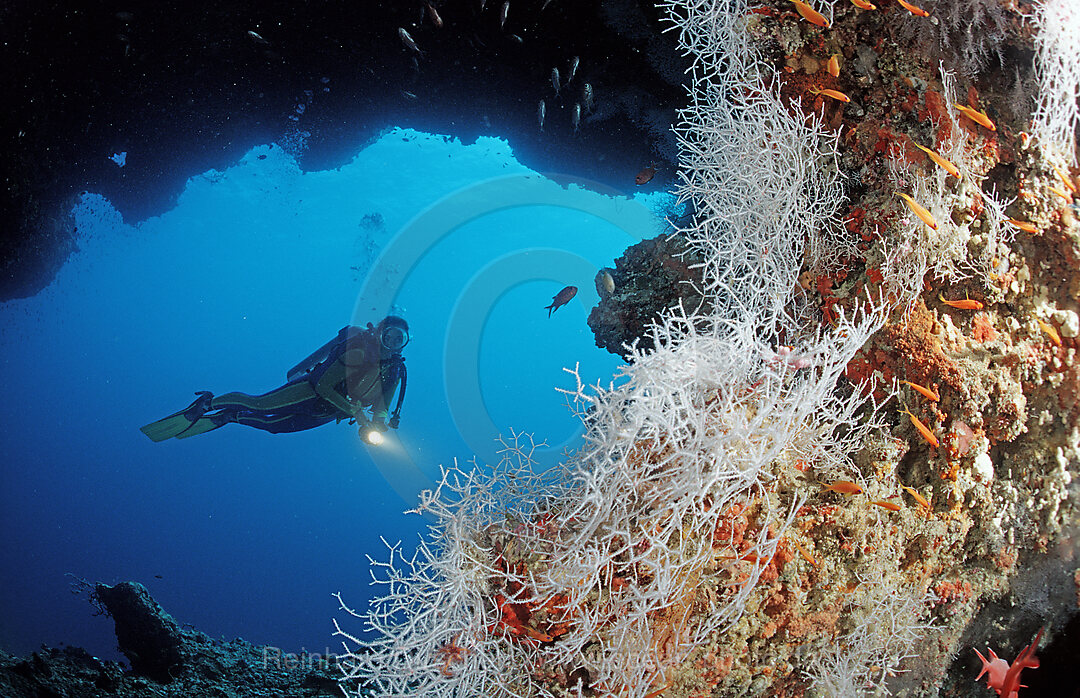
[[358, 370]]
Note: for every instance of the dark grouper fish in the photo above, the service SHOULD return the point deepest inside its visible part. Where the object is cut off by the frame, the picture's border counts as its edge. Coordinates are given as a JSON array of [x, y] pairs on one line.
[[561, 298]]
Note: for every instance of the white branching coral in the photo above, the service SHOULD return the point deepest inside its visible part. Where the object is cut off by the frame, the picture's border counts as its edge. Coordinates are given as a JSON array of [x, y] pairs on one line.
[[1057, 66], [703, 427], [432, 627], [970, 34], [612, 568], [762, 177], [886, 631], [951, 251]]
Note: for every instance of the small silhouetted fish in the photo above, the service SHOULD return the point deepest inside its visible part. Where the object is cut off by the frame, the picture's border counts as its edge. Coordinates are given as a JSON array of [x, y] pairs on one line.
[[258, 39], [502, 14], [408, 95], [434, 15], [158, 576], [540, 111], [407, 40], [516, 39], [645, 176], [555, 80], [561, 298], [574, 63], [586, 96], [575, 116]]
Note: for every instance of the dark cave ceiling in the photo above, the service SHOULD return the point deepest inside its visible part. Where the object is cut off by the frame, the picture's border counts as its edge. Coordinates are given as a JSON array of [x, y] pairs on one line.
[[183, 88]]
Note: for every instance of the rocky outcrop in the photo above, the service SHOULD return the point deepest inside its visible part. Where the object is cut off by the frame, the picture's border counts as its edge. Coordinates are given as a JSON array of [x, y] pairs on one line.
[[166, 660], [648, 278]]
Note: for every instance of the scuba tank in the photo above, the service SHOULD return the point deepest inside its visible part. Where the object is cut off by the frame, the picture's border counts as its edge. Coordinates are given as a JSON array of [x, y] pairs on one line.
[[319, 355]]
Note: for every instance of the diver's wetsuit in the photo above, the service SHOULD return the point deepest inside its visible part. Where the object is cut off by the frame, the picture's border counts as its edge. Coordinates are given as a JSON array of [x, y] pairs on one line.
[[351, 377], [293, 407]]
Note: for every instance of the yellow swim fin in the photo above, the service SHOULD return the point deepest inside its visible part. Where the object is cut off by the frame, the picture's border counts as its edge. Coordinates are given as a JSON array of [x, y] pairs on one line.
[[175, 424]]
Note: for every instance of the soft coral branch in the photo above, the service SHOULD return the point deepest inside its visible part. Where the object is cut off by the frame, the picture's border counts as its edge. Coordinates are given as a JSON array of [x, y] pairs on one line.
[[1005, 678]]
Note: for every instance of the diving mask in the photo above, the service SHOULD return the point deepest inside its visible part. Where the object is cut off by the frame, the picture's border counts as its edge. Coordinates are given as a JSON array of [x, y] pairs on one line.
[[394, 338]]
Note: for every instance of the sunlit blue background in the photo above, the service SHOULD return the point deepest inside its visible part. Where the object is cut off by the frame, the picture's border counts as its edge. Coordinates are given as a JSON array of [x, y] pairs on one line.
[[254, 268]]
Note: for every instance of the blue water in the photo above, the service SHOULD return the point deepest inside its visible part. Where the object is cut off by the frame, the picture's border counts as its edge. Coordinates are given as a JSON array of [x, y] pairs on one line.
[[240, 532]]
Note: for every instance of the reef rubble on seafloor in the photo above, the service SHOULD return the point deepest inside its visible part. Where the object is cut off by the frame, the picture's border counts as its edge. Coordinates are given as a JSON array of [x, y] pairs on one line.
[[166, 660], [859, 458]]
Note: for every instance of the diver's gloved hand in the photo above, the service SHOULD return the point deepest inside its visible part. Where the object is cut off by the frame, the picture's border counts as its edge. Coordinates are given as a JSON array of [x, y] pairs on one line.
[[378, 420], [354, 415]]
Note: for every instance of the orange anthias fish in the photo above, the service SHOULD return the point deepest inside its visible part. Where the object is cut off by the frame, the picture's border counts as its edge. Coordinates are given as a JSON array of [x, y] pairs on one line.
[[561, 298], [645, 176]]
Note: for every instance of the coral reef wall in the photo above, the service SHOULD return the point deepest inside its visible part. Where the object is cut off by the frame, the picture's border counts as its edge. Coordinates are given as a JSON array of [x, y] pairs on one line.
[[842, 469]]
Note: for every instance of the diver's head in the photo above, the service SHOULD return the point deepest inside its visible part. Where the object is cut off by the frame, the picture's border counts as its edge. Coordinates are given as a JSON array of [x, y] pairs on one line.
[[393, 333]]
